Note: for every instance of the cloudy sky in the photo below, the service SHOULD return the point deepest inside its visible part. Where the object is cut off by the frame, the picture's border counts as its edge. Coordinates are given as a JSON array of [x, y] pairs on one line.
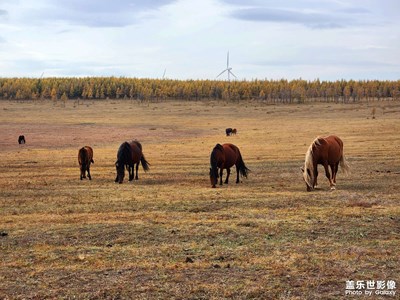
[[266, 39]]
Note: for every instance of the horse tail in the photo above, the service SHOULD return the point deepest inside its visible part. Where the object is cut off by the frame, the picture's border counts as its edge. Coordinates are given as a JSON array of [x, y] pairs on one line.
[[145, 163], [344, 164], [243, 170]]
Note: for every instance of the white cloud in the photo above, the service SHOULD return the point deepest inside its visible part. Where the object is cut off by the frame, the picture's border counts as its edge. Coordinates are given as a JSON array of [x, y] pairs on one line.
[[266, 39]]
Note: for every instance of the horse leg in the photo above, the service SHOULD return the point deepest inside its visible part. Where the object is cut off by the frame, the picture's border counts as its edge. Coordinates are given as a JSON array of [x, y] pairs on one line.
[[237, 174], [228, 171], [334, 170], [328, 175], [137, 171], [88, 173], [131, 173], [220, 175], [316, 178]]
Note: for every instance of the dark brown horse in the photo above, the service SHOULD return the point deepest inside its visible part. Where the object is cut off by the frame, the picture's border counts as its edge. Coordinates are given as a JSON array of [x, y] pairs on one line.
[[326, 151], [129, 154], [224, 157], [234, 131], [85, 157], [228, 131]]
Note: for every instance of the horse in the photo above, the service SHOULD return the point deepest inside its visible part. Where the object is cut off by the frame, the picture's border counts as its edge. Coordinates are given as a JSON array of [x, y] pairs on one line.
[[234, 131], [224, 157], [326, 151], [85, 157], [129, 154], [228, 131], [21, 139]]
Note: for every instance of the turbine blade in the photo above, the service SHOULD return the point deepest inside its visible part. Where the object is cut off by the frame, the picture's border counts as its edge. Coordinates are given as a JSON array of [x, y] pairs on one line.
[[232, 74], [222, 73], [227, 60]]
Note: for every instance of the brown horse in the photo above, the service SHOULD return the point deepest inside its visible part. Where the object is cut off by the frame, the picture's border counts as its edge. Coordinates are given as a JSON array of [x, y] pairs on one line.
[[234, 131], [326, 151], [129, 154], [224, 157], [85, 157]]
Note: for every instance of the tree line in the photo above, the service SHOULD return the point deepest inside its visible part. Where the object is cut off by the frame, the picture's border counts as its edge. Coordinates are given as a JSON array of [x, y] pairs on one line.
[[271, 91]]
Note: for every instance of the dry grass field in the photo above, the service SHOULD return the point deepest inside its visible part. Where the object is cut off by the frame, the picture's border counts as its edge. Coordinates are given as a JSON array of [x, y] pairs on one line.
[[169, 235]]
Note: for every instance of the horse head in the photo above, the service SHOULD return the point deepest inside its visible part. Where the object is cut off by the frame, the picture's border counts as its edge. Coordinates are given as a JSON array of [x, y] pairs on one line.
[[120, 171], [213, 176], [83, 170], [308, 178]]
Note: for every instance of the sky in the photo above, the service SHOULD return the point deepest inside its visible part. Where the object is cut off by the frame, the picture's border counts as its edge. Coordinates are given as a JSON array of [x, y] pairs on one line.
[[190, 39]]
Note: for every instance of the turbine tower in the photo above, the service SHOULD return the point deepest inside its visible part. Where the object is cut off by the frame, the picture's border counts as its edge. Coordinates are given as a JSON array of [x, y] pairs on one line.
[[228, 69]]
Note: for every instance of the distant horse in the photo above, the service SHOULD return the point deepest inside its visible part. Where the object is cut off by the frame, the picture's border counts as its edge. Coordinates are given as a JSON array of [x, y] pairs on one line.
[[234, 131], [326, 151], [129, 154], [224, 157], [85, 157], [21, 139], [228, 131]]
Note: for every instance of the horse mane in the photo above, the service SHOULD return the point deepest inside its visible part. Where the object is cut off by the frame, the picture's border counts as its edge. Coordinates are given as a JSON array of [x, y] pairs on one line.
[[83, 157], [308, 163], [213, 160], [218, 147], [137, 144], [124, 153]]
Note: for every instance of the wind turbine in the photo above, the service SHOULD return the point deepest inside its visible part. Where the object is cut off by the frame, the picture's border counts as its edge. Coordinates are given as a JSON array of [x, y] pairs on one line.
[[228, 69], [165, 71]]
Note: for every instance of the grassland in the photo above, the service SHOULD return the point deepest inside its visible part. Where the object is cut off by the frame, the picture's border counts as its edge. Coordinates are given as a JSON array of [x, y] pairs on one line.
[[169, 235]]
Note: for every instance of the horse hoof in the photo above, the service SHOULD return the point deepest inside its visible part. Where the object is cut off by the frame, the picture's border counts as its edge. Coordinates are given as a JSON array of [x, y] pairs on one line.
[[333, 188]]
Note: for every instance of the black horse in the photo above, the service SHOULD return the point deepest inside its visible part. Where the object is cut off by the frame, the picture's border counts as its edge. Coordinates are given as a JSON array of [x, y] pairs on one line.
[[228, 131], [21, 139], [129, 154]]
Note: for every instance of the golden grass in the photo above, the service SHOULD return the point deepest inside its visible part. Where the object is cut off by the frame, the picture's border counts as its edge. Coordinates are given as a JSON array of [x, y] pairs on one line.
[[169, 235]]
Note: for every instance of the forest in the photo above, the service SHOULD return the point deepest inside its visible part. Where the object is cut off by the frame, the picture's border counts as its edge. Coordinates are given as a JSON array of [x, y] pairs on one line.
[[269, 91]]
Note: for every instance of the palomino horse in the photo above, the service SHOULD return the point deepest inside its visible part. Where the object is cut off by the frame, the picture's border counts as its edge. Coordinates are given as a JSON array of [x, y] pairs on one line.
[[129, 154], [326, 151], [85, 157], [224, 157]]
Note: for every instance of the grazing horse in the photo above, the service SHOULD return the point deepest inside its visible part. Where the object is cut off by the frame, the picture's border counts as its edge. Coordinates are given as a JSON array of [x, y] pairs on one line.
[[228, 131], [224, 157], [234, 131], [85, 157], [21, 139], [326, 151], [129, 154]]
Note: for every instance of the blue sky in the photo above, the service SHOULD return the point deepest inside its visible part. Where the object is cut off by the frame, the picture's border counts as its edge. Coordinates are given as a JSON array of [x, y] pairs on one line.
[[266, 39]]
